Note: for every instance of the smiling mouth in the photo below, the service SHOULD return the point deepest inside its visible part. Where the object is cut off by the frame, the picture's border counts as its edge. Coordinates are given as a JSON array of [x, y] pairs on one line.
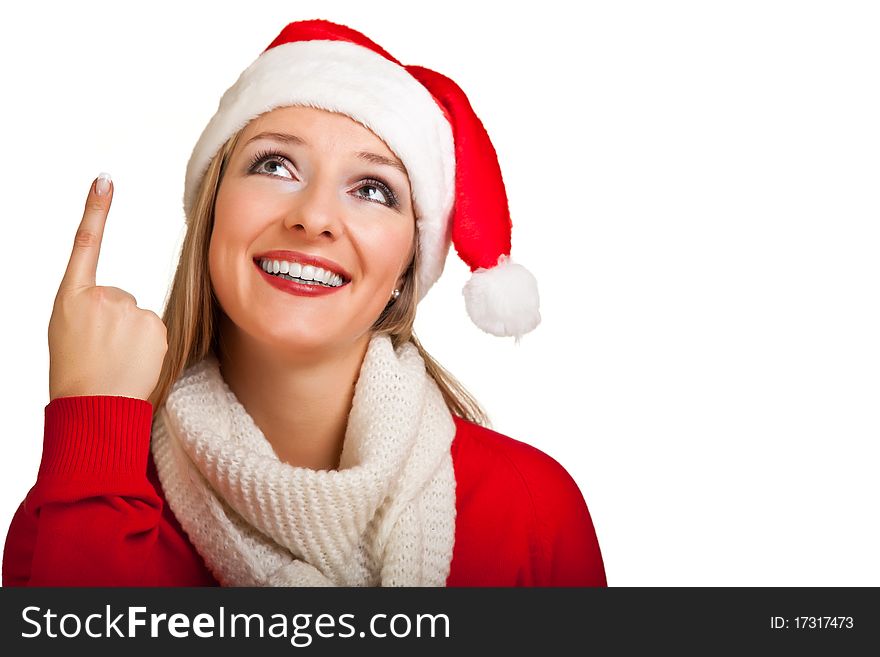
[[303, 281], [302, 274]]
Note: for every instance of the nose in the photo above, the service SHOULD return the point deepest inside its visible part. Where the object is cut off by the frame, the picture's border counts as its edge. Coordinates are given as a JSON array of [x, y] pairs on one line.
[[316, 212]]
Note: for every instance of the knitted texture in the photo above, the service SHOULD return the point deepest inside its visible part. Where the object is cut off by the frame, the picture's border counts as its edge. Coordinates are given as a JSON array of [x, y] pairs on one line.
[[386, 517]]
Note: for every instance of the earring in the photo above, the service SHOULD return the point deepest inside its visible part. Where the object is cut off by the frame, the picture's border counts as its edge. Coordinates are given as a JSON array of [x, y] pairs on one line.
[[395, 294]]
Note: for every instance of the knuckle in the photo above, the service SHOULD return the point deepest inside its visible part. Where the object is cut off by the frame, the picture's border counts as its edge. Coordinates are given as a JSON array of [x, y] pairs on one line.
[[111, 294], [85, 238], [158, 319], [98, 293], [157, 326], [107, 299], [95, 204]]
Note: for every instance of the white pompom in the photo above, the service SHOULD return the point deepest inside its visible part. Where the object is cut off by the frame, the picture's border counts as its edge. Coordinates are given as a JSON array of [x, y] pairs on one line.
[[503, 300]]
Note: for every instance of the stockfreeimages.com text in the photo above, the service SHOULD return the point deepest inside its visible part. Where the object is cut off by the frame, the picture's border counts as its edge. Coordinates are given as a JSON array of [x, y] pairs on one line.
[[299, 628]]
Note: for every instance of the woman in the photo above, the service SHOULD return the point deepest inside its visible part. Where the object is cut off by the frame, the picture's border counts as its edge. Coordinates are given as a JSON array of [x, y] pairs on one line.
[[302, 436]]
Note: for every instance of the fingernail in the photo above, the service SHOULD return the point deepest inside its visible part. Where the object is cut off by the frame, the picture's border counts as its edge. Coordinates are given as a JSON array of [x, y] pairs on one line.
[[102, 184]]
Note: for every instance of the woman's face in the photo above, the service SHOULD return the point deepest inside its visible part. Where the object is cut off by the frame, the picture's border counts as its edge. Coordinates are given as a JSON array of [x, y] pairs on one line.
[[325, 192]]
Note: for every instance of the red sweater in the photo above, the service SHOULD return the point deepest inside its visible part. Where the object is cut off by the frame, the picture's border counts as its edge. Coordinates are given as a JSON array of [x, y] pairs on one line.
[[96, 515]]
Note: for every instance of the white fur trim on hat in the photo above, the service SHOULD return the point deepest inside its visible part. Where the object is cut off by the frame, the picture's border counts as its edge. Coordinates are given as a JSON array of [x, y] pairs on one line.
[[503, 300], [340, 76]]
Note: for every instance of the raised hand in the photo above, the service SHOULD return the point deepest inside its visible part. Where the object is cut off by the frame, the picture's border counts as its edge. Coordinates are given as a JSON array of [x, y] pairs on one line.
[[100, 342]]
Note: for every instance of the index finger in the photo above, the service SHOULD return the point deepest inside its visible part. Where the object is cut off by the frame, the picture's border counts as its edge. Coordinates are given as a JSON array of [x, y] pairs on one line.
[[83, 263]]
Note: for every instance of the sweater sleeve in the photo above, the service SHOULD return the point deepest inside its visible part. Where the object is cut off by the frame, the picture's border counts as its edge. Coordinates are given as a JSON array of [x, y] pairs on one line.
[[92, 518], [564, 539]]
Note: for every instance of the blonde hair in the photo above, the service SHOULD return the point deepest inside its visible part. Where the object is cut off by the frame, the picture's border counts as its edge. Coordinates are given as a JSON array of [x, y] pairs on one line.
[[192, 312]]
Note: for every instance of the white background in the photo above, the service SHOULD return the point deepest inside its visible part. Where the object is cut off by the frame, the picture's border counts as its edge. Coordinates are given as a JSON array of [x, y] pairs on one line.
[[694, 185]]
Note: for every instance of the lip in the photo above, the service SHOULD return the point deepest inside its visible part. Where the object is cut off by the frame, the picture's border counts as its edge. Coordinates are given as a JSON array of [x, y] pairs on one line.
[[305, 259], [299, 289]]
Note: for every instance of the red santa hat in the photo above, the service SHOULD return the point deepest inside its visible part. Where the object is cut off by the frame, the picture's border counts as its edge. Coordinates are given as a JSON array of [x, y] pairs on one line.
[[427, 121]]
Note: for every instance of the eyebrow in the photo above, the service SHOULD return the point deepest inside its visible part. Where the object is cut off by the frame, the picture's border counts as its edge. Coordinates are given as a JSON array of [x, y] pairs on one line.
[[367, 156]]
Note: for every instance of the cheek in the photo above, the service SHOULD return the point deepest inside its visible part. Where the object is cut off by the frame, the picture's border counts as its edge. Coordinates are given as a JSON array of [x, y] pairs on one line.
[[237, 211], [240, 216], [235, 226], [387, 252]]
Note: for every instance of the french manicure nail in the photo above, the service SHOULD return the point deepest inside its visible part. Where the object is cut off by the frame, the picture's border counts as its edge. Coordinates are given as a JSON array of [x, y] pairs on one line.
[[103, 184]]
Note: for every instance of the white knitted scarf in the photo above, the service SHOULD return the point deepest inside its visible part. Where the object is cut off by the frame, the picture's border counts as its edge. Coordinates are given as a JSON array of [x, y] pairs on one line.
[[386, 517]]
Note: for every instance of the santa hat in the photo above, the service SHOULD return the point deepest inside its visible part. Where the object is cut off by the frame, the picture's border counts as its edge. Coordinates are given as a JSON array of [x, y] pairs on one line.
[[427, 121]]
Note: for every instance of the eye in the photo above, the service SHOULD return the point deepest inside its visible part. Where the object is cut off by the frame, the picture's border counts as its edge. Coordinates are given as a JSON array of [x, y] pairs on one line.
[[276, 160], [383, 189], [268, 157]]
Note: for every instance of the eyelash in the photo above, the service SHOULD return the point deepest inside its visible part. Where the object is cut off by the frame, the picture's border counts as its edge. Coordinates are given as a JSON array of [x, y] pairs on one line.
[[266, 155]]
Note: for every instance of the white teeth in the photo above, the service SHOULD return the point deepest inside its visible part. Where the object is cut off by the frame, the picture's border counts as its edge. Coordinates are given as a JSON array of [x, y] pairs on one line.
[[304, 272]]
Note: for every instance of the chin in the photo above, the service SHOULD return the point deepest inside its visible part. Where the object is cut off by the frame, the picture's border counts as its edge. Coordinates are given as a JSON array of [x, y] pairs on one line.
[[302, 339], [308, 331]]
